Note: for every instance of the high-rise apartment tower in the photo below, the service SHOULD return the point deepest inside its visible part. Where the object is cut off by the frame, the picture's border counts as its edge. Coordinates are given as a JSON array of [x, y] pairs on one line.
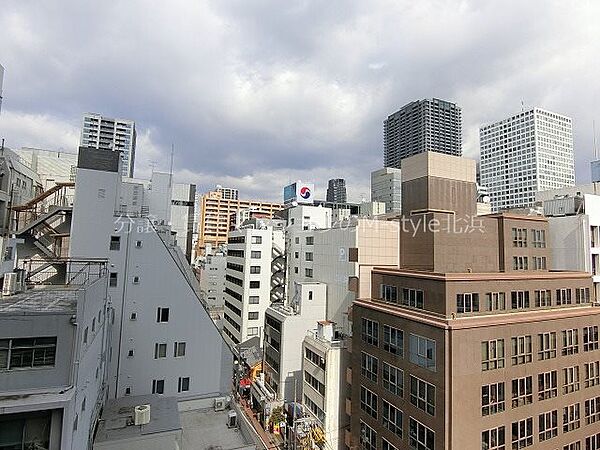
[[336, 190]]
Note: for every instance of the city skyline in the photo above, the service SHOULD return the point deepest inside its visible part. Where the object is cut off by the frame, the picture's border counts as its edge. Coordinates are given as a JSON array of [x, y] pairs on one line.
[[285, 83]]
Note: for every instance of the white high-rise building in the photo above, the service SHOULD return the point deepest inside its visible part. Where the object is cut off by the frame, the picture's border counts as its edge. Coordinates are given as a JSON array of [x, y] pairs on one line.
[[52, 166], [254, 266], [111, 134], [526, 153]]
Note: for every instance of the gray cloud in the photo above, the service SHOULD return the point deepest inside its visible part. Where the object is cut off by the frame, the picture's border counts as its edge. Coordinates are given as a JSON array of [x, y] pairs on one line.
[[255, 94]]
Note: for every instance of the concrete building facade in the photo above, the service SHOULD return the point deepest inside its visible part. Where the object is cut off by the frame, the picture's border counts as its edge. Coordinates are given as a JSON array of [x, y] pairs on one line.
[[525, 153], [420, 126], [51, 166], [386, 186], [111, 134]]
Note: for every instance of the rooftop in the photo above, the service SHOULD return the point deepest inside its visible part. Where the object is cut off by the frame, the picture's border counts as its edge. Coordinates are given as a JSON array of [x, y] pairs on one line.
[[164, 417], [208, 429], [43, 299]]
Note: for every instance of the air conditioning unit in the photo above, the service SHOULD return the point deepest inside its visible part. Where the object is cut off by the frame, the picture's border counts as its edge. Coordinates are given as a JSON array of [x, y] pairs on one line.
[[221, 403], [9, 287], [141, 415]]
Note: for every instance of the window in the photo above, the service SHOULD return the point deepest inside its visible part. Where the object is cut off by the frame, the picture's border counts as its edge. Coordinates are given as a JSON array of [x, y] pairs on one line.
[[548, 425], [393, 379], [115, 243], [296, 255], [570, 379], [136, 279], [314, 408], [563, 297], [466, 303], [254, 284], [158, 386], [370, 332], [179, 349], [412, 298], [539, 262], [547, 345], [592, 410], [422, 352], [419, 436], [85, 335], [592, 374], [308, 273], [310, 295], [253, 315], [539, 238], [572, 446], [493, 439], [113, 279], [519, 236], [297, 239], [369, 366], [162, 315], [393, 340], [495, 301], [521, 350], [254, 299], [389, 293], [385, 445], [582, 295], [368, 437], [570, 342], [93, 324], [590, 338], [520, 263], [543, 298], [522, 392], [295, 270], [253, 331], [422, 395], [256, 239], [138, 244], [547, 385], [255, 254], [254, 269], [492, 354], [522, 433], [492, 399], [308, 256], [310, 240], [314, 358], [23, 353], [571, 416], [160, 351], [392, 418], [368, 402], [592, 442], [184, 384], [519, 299]]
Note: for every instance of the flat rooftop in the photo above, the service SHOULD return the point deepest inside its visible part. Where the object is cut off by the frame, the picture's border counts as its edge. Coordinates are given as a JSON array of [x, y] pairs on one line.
[[44, 299], [164, 417], [208, 429]]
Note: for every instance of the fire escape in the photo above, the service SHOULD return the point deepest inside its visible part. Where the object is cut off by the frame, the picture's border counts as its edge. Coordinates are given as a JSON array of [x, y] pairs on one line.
[[277, 274]]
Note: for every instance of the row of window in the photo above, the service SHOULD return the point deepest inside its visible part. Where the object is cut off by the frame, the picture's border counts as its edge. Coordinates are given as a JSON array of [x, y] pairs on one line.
[[493, 351], [519, 238], [158, 386], [522, 433], [160, 350], [26, 353], [420, 437]]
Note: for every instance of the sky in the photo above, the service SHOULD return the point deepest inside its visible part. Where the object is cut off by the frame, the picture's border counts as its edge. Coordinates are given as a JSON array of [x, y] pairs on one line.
[[254, 94]]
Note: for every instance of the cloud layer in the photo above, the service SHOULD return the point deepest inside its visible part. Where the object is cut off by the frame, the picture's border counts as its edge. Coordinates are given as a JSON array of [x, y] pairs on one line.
[[255, 94]]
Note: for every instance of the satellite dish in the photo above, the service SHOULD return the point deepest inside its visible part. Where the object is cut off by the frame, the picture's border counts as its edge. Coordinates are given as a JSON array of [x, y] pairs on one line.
[[485, 199]]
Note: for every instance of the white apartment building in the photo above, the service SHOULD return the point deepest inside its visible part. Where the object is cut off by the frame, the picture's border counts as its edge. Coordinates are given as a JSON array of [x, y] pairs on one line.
[[51, 166], [53, 352], [212, 284], [323, 369], [228, 193], [386, 186], [526, 153], [251, 254], [163, 340], [110, 134], [285, 326], [574, 227]]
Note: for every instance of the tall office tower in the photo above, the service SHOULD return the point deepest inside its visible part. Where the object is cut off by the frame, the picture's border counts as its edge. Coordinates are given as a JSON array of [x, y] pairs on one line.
[[336, 190], [215, 216], [228, 193], [529, 152], [421, 126], [472, 343], [111, 134], [183, 207], [1, 81], [386, 186]]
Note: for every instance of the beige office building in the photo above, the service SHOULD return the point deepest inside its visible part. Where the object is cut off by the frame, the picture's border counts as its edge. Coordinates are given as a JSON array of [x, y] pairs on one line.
[[215, 216], [472, 343]]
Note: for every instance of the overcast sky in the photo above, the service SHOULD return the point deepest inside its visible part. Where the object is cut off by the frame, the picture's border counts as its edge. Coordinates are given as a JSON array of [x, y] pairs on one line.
[[254, 94]]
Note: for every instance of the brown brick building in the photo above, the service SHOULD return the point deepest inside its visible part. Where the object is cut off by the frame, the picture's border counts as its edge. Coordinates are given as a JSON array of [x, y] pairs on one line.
[[472, 343]]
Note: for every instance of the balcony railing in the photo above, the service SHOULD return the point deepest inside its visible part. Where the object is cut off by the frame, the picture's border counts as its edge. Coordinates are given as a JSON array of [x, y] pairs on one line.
[[64, 271]]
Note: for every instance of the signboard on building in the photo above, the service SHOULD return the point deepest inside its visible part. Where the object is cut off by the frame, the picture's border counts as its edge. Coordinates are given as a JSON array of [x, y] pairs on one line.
[[299, 192]]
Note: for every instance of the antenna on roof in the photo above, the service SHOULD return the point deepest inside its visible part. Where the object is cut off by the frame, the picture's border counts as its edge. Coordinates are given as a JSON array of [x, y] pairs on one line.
[[522, 106], [595, 146]]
